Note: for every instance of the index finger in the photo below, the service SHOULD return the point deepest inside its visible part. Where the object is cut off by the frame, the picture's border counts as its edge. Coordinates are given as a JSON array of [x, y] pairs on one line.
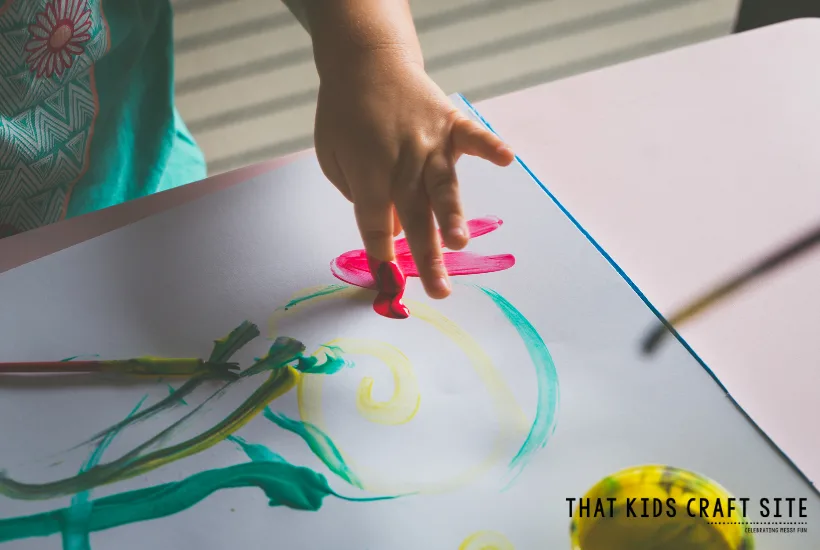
[[375, 221]]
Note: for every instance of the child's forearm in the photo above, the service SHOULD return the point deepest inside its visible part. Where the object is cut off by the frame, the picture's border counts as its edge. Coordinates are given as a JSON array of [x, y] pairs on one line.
[[345, 29]]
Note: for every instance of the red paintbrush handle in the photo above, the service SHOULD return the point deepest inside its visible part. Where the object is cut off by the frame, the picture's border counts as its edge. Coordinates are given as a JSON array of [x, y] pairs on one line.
[[50, 367]]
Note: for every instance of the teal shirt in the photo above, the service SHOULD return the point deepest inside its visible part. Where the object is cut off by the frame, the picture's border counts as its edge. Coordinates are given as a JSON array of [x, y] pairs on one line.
[[87, 116]]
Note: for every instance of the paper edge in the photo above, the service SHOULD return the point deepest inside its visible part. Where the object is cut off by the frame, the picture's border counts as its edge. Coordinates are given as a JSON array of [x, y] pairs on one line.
[[476, 115]]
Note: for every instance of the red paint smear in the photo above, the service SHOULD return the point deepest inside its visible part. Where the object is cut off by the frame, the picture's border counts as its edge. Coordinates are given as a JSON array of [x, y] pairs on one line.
[[357, 269], [390, 283]]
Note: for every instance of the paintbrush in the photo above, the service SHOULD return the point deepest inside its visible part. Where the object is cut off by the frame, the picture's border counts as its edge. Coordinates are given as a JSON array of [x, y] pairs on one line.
[[141, 366], [776, 259]]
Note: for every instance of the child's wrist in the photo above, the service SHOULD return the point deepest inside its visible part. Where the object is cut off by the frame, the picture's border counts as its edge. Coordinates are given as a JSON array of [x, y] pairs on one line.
[[350, 34]]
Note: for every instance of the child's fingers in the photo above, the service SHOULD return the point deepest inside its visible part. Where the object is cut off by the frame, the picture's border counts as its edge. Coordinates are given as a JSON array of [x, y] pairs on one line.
[[375, 221], [420, 230], [396, 222], [470, 138], [441, 184], [333, 172]]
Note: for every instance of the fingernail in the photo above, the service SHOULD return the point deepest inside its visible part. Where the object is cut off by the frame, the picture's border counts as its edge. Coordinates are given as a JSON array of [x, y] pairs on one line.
[[505, 149], [440, 285], [458, 233]]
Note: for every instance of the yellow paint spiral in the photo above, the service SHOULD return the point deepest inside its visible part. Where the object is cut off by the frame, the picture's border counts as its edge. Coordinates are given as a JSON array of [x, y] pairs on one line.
[[404, 403], [486, 540], [406, 398]]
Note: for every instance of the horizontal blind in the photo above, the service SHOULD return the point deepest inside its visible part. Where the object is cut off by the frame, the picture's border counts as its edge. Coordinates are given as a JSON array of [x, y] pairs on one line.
[[246, 84]]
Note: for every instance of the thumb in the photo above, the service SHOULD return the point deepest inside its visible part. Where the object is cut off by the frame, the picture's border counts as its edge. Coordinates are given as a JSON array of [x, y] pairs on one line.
[[470, 138]]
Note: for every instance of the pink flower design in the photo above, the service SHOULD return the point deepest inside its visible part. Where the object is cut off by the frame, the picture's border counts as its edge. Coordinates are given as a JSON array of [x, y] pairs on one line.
[[354, 267], [57, 36], [389, 278]]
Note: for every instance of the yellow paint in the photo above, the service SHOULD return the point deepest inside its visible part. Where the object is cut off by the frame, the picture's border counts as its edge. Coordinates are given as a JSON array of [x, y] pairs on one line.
[[403, 404], [486, 540], [309, 393], [681, 532], [281, 381], [503, 399]]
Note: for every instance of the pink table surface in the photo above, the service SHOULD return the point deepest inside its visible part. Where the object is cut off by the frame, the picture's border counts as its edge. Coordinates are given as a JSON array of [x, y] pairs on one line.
[[685, 167]]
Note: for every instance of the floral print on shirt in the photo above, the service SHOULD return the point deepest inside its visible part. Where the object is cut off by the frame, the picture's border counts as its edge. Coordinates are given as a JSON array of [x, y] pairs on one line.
[[48, 105]]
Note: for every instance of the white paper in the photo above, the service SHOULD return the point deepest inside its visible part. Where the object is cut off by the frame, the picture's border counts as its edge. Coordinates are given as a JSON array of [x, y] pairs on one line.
[[169, 285]]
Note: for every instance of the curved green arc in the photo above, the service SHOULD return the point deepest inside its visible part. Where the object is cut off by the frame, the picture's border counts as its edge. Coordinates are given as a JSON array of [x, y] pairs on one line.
[[543, 425]]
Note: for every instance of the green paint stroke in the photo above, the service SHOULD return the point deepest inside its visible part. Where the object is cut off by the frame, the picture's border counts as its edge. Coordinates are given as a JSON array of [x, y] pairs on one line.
[[281, 379], [177, 397], [284, 485], [319, 442], [324, 291], [255, 451], [543, 425], [224, 348], [171, 391], [162, 366], [333, 363], [75, 524]]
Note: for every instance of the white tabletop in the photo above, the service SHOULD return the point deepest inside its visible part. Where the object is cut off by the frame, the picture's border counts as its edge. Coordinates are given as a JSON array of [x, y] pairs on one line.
[[686, 167]]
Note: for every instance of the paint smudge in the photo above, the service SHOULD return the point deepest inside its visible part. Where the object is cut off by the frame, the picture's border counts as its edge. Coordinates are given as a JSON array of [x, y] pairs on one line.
[[162, 366], [281, 379], [319, 442], [405, 401], [75, 528], [389, 283], [284, 484], [333, 363], [510, 414], [389, 278], [486, 540], [223, 349], [255, 451], [544, 423], [171, 391], [321, 291]]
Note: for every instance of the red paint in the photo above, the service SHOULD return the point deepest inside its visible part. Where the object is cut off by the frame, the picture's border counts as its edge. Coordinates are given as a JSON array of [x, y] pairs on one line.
[[357, 269], [390, 283]]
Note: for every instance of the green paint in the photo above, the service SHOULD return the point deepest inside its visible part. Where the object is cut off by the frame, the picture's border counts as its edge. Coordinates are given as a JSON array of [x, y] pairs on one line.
[[319, 442], [546, 377], [162, 366], [75, 529], [280, 380], [77, 357], [224, 348], [610, 486], [255, 451], [324, 291], [333, 363], [284, 484], [171, 391], [177, 397]]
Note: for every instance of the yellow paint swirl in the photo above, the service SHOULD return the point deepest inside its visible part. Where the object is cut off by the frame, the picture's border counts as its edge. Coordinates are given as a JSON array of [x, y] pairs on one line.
[[486, 540], [404, 403]]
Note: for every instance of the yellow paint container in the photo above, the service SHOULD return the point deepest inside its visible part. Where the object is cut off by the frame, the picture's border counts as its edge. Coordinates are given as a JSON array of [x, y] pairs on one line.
[[664, 520]]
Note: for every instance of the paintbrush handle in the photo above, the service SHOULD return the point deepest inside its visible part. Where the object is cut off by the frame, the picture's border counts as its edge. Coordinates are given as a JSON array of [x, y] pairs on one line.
[[49, 367], [144, 366]]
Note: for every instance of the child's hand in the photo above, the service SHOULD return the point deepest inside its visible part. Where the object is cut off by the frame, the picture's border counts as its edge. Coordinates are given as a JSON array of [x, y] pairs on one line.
[[388, 138]]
